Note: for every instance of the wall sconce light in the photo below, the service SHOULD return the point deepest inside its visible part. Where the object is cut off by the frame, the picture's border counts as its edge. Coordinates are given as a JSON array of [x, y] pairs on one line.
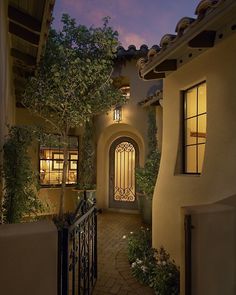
[[117, 114]]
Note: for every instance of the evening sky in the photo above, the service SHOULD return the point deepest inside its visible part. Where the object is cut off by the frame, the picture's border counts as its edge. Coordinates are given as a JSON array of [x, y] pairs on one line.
[[137, 21]]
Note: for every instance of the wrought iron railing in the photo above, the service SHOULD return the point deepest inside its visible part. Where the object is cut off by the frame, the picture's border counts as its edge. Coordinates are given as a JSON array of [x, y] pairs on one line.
[[77, 255]]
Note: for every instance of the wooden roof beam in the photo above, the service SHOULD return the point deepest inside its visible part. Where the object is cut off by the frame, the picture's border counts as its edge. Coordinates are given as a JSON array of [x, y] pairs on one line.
[[22, 72], [205, 39], [23, 33], [153, 75], [26, 58], [167, 65], [24, 19]]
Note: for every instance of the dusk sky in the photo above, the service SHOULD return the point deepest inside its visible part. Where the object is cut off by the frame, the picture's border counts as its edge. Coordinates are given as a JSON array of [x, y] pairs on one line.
[[137, 21]]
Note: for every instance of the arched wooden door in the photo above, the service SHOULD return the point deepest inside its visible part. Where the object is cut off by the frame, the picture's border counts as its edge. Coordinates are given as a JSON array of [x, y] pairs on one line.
[[124, 157]]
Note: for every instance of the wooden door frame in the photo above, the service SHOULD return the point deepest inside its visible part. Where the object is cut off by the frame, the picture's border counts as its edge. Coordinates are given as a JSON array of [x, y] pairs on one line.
[[188, 253]]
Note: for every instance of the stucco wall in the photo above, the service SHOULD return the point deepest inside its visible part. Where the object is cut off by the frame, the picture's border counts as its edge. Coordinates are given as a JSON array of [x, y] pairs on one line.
[[7, 102], [28, 255], [217, 181], [213, 271], [133, 124]]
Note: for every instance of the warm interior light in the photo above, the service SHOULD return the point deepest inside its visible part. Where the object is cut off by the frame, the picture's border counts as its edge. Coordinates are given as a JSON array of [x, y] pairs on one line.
[[117, 114], [125, 91]]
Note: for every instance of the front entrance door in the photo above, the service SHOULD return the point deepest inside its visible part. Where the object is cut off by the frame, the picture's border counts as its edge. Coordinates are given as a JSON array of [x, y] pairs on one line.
[[123, 157]]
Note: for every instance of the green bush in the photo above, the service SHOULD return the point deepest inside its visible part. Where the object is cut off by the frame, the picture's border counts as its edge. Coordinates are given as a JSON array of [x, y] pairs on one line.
[[164, 277], [146, 176], [152, 267], [139, 244], [21, 184]]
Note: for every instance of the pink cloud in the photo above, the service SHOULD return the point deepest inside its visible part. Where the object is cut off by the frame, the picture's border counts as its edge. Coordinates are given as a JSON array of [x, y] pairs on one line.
[[132, 38]]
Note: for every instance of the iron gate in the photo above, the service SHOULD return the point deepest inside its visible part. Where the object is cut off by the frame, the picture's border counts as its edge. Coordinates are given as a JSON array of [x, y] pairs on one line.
[[77, 263]]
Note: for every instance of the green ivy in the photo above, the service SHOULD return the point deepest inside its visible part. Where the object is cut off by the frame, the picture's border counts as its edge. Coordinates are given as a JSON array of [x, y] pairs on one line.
[[146, 176], [21, 185]]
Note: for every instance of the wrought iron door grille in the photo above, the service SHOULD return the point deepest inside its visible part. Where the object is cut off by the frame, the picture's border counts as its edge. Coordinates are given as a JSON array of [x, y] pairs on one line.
[[124, 185]]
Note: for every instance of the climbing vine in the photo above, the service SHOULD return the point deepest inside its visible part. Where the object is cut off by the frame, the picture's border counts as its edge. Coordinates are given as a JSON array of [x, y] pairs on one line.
[[21, 185], [146, 176]]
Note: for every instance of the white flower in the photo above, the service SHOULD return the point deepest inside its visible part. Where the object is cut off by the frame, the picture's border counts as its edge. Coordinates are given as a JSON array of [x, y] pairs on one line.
[[133, 264], [124, 237], [138, 261], [143, 268], [131, 232]]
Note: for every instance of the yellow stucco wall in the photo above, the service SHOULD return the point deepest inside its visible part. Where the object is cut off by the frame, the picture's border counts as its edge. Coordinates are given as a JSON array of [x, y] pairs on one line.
[[173, 191], [133, 124], [7, 101]]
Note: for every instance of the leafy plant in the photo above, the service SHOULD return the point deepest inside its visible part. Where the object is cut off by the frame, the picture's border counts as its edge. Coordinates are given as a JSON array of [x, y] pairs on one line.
[[146, 176], [140, 254], [139, 244], [150, 266], [21, 183], [73, 80], [165, 275]]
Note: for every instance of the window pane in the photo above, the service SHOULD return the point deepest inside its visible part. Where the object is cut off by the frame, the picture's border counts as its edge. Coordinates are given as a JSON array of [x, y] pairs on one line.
[[202, 98], [201, 152], [190, 159], [51, 161], [191, 97], [202, 128], [190, 132]]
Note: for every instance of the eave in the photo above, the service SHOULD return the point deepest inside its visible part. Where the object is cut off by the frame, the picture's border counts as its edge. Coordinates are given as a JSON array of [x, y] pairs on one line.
[[200, 35], [29, 22]]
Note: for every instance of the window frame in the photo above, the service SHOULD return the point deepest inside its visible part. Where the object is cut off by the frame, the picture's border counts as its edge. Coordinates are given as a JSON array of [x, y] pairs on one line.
[[185, 118], [54, 185]]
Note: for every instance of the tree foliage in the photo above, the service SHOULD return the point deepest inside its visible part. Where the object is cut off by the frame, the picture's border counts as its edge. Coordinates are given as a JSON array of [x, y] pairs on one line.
[[73, 80]]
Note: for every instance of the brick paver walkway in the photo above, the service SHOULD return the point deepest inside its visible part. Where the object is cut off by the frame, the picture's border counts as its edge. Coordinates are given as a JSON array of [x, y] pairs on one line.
[[114, 273]]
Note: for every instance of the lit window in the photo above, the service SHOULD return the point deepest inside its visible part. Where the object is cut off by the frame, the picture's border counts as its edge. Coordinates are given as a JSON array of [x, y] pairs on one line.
[[51, 161], [117, 114], [195, 117]]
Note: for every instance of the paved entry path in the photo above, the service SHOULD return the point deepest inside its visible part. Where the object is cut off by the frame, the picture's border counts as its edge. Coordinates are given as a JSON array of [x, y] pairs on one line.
[[114, 273]]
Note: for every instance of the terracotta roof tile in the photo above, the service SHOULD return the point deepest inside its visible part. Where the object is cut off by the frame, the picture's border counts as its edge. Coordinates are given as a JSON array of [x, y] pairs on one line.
[[132, 52], [205, 6], [183, 24], [166, 40], [184, 27]]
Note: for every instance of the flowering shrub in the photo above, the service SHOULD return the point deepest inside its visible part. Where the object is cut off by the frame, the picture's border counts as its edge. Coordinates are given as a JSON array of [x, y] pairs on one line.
[[143, 269], [139, 244], [164, 278], [152, 267]]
